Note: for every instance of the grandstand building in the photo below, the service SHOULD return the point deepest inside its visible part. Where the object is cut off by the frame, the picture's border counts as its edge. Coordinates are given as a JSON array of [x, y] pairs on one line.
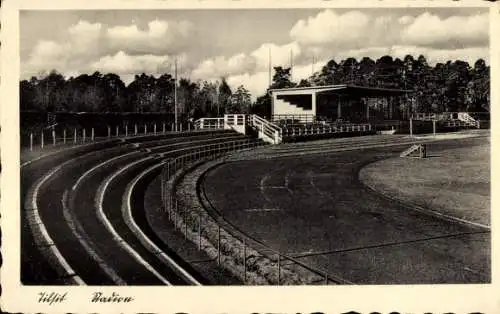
[[339, 102]]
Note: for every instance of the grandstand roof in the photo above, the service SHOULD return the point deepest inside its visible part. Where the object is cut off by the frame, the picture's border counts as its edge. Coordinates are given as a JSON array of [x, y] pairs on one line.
[[345, 89]]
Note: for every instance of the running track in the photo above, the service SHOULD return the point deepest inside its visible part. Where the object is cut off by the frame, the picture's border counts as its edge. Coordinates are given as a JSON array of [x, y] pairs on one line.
[[314, 208]]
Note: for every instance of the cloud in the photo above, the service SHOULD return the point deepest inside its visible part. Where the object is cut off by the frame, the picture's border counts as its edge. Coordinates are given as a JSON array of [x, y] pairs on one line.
[[131, 49], [255, 83], [241, 63], [222, 67], [329, 27], [429, 29], [160, 37], [329, 31], [88, 47], [124, 63], [85, 37], [46, 55]]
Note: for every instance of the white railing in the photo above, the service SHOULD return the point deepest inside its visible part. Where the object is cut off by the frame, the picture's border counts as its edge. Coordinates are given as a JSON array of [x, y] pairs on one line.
[[293, 118], [209, 123], [325, 129], [424, 116], [268, 131]]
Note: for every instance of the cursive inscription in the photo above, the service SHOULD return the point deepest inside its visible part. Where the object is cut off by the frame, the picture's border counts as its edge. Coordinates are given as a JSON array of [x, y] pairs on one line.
[[52, 297], [113, 298]]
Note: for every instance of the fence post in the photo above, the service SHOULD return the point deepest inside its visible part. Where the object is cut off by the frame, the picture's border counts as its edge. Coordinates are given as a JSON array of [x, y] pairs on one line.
[[116, 131], [154, 129], [434, 127], [31, 141], [135, 129], [42, 139], [169, 207], [244, 261], [53, 137], [411, 127], [74, 140], [83, 136], [189, 126], [279, 268], [92, 134], [164, 128], [173, 126], [145, 129], [218, 244], [326, 279], [199, 231], [109, 132], [180, 127], [185, 223], [176, 213], [64, 136]]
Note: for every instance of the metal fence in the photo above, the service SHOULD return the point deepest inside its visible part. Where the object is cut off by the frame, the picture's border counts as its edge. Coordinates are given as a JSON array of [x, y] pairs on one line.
[[248, 258], [57, 136]]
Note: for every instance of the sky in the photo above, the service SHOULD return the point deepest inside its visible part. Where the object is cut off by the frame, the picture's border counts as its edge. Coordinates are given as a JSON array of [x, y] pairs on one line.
[[210, 44]]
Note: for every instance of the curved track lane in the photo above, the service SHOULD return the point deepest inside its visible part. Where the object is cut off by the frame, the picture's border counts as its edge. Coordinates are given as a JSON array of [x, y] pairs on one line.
[[59, 206], [314, 208]]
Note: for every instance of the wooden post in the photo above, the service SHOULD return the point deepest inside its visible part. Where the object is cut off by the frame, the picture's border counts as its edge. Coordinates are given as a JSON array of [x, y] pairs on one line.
[[199, 232], [279, 268], [31, 141], [92, 136], [173, 127], [154, 129], [326, 279], [53, 137], [126, 130], [116, 131], [164, 128], [244, 261], [185, 223], [176, 213], [145, 129], [64, 136], [109, 132], [180, 127], [135, 129], [411, 127], [74, 140], [434, 127], [218, 244], [42, 140], [84, 135]]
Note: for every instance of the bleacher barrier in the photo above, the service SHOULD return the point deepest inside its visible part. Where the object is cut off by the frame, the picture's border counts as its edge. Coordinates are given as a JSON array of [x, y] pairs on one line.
[[267, 131], [211, 233]]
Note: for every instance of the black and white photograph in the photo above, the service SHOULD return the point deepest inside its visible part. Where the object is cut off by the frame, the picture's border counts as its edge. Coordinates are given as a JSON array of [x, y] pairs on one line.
[[247, 147]]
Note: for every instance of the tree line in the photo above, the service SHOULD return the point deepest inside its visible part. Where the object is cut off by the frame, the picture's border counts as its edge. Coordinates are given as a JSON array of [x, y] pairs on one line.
[[108, 93], [451, 86]]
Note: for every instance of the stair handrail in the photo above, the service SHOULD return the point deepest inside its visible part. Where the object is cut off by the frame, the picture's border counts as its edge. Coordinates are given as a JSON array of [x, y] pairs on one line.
[[267, 128]]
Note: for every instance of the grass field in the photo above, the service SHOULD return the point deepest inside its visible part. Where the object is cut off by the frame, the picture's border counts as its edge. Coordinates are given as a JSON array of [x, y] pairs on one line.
[[455, 182]]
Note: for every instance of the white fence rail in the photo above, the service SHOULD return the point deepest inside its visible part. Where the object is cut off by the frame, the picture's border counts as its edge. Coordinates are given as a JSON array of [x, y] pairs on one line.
[[268, 131]]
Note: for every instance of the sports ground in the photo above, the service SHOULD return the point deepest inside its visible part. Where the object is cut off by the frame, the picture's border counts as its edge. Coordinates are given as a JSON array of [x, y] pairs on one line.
[[426, 221]]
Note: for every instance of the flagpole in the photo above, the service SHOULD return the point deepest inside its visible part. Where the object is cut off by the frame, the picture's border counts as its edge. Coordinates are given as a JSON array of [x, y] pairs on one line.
[[175, 94], [270, 78]]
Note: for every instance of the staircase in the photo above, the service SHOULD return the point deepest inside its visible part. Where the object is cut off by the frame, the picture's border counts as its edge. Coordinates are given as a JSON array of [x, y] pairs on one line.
[[468, 120], [412, 151]]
